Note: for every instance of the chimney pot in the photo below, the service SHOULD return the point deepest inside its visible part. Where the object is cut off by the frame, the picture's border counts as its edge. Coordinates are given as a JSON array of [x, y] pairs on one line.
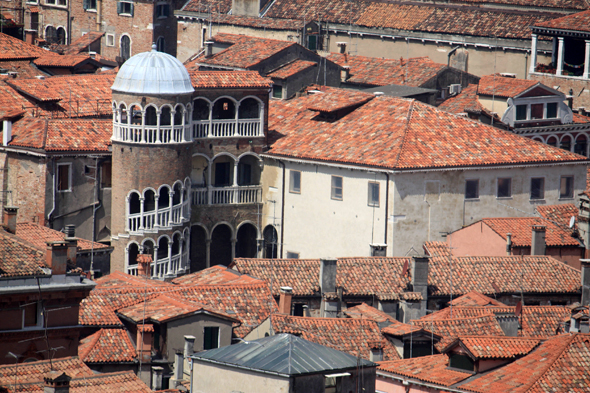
[[178, 368], [341, 47], [189, 345], [56, 257], [144, 262], [306, 311], [538, 240], [7, 132], [144, 341], [208, 49], [419, 271], [56, 382], [157, 374], [10, 215], [508, 244], [345, 73], [286, 294]]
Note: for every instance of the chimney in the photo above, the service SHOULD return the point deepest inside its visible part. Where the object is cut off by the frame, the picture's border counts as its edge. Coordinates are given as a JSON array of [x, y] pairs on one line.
[[306, 311], [285, 300], [345, 73], [6, 132], [10, 214], [144, 262], [145, 333], [157, 374], [328, 275], [538, 242], [56, 382], [178, 368], [189, 346], [341, 47], [72, 243], [508, 244], [585, 265], [56, 257], [420, 281], [208, 49]]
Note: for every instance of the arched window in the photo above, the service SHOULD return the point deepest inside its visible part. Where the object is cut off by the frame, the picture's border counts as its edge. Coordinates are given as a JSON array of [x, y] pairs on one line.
[[249, 109], [223, 109], [161, 44], [179, 112], [165, 116], [201, 109], [149, 204], [50, 35], [125, 47], [134, 204], [176, 244], [581, 146], [552, 141], [270, 242], [177, 194], [566, 143], [148, 248], [122, 114], [61, 36], [132, 253], [163, 248], [164, 198]]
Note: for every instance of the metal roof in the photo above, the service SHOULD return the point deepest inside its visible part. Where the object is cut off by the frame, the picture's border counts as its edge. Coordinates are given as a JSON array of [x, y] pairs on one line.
[[283, 354], [399, 90], [153, 73]]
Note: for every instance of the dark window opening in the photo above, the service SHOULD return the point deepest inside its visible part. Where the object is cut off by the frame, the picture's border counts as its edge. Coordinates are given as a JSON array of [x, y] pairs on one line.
[[462, 362], [201, 110], [211, 337], [30, 315], [277, 91], [106, 175], [566, 189], [298, 310], [581, 146], [222, 172], [125, 46], [63, 177], [224, 109], [162, 10], [520, 112], [472, 189], [295, 181], [249, 109], [373, 194], [134, 204], [124, 7], [164, 198], [537, 188], [270, 242], [551, 110], [504, 187]]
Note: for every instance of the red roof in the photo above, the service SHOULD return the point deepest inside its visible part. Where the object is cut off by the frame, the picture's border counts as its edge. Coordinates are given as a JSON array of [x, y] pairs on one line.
[[499, 86], [433, 369], [365, 311], [39, 236], [575, 22], [217, 6], [34, 371], [374, 71], [50, 135], [486, 347], [332, 100], [437, 249], [466, 101], [398, 329], [521, 230], [474, 298], [400, 134], [107, 346], [353, 336], [215, 275], [11, 101], [559, 214], [66, 61], [291, 69], [12, 48], [81, 44], [228, 79], [19, 258]]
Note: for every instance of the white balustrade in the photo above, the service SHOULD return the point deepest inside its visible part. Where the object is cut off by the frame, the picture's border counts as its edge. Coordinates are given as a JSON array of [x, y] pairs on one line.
[[164, 217], [132, 270], [149, 220], [226, 128], [136, 133], [134, 222], [177, 214], [226, 195]]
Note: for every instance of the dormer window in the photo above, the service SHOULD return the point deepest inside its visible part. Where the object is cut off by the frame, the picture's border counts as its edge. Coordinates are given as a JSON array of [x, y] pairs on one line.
[[536, 111]]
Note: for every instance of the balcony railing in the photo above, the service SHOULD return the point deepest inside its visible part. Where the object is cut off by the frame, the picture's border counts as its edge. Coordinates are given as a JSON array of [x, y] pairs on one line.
[[164, 266], [227, 128], [164, 217], [227, 195], [151, 134]]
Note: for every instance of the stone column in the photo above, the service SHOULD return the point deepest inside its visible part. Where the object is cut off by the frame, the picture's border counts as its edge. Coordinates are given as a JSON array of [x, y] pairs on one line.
[[236, 130], [208, 253], [141, 207], [172, 114], [127, 214], [143, 138], [169, 256], [533, 53], [233, 249], [156, 209], [559, 56], [158, 114], [170, 202]]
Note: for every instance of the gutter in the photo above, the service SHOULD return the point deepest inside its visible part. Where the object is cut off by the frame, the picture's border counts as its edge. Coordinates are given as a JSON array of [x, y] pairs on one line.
[[405, 381], [53, 180], [282, 207]]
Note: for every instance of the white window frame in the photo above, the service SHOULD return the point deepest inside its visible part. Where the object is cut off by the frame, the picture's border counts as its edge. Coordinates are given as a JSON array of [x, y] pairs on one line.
[[69, 165], [39, 318], [370, 201], [498, 188], [90, 9], [292, 174], [130, 8], [333, 193], [54, 3], [533, 101], [110, 39]]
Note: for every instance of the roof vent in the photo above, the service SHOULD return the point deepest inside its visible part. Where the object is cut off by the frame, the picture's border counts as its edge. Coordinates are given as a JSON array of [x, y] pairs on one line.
[[378, 93], [507, 74], [40, 77], [92, 54]]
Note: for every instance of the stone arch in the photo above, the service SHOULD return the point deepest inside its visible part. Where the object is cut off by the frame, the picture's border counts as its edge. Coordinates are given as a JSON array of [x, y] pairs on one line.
[[552, 140], [250, 108], [249, 170], [151, 115], [539, 139], [166, 115], [149, 203], [222, 169], [125, 45], [200, 170], [246, 240], [201, 109], [164, 196], [581, 144], [177, 197], [179, 110], [134, 202], [224, 108], [221, 244], [199, 237], [271, 242], [566, 141], [132, 253], [148, 246]]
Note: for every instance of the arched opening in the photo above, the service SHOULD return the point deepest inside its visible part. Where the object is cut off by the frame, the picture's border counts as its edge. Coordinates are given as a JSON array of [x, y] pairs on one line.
[[200, 110], [249, 109], [248, 171], [223, 171], [148, 248], [122, 114], [198, 248], [165, 116], [151, 116], [224, 109], [163, 248], [176, 244], [61, 36], [134, 203], [161, 44], [177, 194], [246, 241], [178, 114], [270, 242], [51, 35], [581, 146], [164, 198], [552, 141], [135, 112], [221, 245], [199, 171], [125, 47], [566, 143], [132, 253], [149, 202]]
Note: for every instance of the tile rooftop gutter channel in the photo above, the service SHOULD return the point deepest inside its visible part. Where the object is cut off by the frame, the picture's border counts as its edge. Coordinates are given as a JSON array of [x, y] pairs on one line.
[[418, 382]]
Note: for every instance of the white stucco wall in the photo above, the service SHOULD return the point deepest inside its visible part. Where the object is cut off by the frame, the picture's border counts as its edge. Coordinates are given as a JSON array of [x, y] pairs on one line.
[[209, 378], [316, 226]]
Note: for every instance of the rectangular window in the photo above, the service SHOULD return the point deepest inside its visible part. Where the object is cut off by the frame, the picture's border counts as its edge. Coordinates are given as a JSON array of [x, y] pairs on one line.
[[64, 177], [373, 194], [162, 10], [30, 315], [106, 175], [277, 91], [472, 189], [295, 182], [552, 110], [292, 255], [538, 188], [211, 337], [125, 8], [110, 40], [566, 187], [89, 5], [520, 112], [536, 111], [57, 2], [504, 187], [337, 187]]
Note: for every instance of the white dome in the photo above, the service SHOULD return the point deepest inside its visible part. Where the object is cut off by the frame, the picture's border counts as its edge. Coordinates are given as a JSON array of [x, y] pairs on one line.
[[153, 73]]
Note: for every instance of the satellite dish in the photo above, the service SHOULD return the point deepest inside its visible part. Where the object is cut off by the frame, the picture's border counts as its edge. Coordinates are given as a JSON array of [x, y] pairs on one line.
[[572, 221]]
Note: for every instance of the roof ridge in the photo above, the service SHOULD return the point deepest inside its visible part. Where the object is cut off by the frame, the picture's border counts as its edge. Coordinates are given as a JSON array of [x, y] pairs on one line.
[[91, 345]]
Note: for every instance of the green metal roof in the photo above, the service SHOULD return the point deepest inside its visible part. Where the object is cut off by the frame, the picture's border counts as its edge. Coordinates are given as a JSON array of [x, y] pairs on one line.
[[283, 354]]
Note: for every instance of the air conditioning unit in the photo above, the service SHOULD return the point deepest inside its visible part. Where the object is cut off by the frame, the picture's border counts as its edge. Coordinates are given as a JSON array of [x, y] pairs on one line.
[[454, 89]]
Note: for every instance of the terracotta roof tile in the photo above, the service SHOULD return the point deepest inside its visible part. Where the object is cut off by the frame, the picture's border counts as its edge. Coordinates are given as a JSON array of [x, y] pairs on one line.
[[437, 249], [88, 135], [540, 274], [214, 276], [34, 371], [450, 329], [398, 329], [66, 61], [374, 71], [291, 69], [521, 230], [107, 346], [81, 44], [39, 236], [485, 347], [18, 257], [474, 298], [400, 134], [228, 79], [251, 21], [13, 48], [575, 22], [22, 68], [365, 311], [376, 276], [558, 214], [125, 282], [431, 369], [466, 101], [11, 101], [353, 336], [499, 86], [217, 6], [332, 100]]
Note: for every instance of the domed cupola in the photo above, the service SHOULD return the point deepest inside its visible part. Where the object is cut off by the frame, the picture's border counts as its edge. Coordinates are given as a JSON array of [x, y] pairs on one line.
[[153, 73]]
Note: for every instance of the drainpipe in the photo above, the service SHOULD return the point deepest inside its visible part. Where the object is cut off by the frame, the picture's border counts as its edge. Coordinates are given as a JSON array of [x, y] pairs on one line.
[[450, 53], [282, 207], [69, 24], [54, 177], [386, 208], [99, 15]]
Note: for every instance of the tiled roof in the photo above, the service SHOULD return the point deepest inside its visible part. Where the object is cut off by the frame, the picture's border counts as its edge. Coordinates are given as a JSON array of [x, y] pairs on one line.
[[500, 86], [364, 311], [510, 274], [485, 347], [39, 236], [374, 71], [23, 69], [450, 329], [558, 214], [66, 61], [215, 275], [107, 346], [575, 22], [81, 44], [251, 21], [12, 49], [78, 95], [437, 249], [127, 283], [333, 100], [34, 371], [245, 52], [291, 69], [62, 134], [521, 230], [376, 276], [474, 298], [353, 336], [400, 134], [466, 101], [431, 369], [217, 6], [560, 364], [398, 329], [98, 309], [11, 101], [19, 258], [228, 79]]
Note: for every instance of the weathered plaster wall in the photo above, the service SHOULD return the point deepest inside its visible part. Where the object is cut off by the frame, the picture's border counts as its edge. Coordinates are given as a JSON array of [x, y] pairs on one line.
[[217, 378]]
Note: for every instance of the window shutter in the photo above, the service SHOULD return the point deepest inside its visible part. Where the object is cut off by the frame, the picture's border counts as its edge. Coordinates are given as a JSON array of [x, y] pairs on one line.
[[119, 7], [131, 8]]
